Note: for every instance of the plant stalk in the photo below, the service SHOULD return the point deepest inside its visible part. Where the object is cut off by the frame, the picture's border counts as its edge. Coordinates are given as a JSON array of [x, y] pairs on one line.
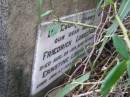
[[124, 31]]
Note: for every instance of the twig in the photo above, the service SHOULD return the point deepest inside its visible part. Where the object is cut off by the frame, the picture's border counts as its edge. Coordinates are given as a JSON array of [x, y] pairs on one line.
[[106, 20], [71, 76], [88, 93], [100, 35], [76, 23], [86, 61], [88, 83]]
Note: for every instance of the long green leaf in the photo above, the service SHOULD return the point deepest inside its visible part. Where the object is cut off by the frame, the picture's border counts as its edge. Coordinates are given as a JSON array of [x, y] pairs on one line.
[[39, 5], [39, 9], [69, 87], [112, 77], [120, 46]]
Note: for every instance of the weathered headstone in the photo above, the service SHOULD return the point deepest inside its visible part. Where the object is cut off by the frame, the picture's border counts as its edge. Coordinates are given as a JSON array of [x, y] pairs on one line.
[[18, 29], [59, 45]]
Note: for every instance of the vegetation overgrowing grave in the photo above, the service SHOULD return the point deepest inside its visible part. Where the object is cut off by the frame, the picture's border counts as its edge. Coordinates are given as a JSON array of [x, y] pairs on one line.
[[108, 63]]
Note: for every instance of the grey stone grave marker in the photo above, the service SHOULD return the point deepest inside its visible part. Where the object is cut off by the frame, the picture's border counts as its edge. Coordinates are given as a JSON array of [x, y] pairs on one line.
[[59, 45]]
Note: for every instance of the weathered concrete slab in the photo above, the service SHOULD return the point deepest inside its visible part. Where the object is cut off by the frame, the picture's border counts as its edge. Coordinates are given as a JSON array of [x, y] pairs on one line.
[[18, 28], [3, 48]]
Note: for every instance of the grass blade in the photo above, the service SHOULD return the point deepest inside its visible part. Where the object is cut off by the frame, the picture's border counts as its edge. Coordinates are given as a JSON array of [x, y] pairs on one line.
[[69, 87], [39, 9], [112, 77], [124, 8], [99, 3]]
